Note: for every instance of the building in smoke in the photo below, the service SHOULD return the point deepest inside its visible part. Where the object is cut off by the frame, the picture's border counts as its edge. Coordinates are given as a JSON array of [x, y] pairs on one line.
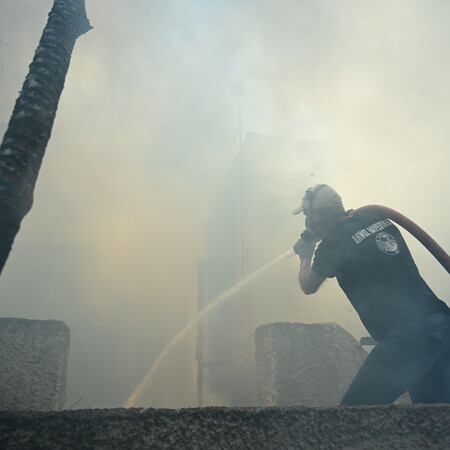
[[250, 225]]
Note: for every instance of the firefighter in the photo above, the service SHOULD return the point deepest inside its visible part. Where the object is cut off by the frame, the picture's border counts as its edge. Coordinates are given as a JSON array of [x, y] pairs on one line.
[[374, 267]]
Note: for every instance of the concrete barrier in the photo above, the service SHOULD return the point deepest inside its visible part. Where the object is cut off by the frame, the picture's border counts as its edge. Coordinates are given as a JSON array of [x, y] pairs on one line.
[[304, 364], [33, 364], [375, 427]]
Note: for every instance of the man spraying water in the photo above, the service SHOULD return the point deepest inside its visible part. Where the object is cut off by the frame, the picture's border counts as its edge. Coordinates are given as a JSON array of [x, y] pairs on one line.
[[374, 267]]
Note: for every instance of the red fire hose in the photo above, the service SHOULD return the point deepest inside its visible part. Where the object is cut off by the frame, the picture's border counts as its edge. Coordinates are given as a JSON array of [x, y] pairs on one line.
[[433, 247]]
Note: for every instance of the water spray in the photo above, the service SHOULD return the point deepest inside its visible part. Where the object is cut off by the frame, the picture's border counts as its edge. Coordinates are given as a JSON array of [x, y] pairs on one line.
[[205, 311]]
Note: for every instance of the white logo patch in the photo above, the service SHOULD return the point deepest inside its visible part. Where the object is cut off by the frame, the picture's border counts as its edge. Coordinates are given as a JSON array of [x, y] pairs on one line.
[[387, 243]]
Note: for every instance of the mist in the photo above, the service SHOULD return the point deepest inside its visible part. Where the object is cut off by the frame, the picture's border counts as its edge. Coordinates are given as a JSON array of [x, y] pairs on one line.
[[147, 131]]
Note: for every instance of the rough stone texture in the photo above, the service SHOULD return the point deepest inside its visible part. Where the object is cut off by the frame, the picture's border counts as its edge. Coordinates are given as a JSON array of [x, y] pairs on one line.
[[33, 364], [304, 364], [375, 427]]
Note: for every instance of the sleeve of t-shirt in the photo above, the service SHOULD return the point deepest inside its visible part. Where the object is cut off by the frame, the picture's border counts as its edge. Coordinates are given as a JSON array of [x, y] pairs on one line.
[[324, 261]]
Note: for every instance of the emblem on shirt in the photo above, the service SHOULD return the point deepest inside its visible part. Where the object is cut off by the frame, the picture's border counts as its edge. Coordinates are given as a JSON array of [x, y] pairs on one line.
[[387, 243]]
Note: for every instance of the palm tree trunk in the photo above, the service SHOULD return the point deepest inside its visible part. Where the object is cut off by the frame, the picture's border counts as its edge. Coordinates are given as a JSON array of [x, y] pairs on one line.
[[30, 125]]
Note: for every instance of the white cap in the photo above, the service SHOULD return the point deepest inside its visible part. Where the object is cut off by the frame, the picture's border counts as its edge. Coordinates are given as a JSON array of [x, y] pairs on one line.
[[319, 196]]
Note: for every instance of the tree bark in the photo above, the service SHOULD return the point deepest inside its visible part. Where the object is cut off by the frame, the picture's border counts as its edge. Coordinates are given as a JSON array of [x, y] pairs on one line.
[[30, 125]]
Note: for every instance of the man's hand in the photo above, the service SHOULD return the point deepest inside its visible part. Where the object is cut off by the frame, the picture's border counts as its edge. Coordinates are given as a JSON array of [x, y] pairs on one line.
[[304, 249]]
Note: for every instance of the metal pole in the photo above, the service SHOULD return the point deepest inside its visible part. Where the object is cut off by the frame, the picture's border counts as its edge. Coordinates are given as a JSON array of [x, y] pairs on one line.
[[199, 350]]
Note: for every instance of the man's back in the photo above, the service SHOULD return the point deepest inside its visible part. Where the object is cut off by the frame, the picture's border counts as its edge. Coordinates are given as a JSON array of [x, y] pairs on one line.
[[373, 265]]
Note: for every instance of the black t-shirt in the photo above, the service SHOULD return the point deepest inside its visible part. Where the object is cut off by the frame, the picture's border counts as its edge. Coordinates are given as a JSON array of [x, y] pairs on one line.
[[372, 264]]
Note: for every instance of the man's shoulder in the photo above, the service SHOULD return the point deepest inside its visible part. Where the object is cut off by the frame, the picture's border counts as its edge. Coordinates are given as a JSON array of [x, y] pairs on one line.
[[348, 227], [354, 227], [361, 221]]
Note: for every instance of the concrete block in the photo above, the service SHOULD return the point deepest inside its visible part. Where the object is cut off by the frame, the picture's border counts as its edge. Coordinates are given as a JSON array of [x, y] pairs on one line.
[[33, 364], [304, 364]]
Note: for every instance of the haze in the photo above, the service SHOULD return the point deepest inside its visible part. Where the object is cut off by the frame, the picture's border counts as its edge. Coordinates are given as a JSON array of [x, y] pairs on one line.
[[147, 130]]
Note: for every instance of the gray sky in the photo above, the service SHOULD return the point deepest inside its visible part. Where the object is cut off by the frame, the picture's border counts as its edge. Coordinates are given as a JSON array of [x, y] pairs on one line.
[[146, 131]]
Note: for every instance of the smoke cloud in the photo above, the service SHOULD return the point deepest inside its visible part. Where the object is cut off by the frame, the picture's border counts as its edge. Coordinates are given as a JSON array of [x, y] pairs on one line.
[[146, 133]]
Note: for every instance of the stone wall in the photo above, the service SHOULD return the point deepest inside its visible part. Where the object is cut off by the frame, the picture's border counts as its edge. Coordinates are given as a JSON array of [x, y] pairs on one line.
[[33, 364], [358, 427]]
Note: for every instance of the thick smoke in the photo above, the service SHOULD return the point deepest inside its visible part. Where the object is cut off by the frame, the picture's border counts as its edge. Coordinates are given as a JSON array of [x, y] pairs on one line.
[[147, 130]]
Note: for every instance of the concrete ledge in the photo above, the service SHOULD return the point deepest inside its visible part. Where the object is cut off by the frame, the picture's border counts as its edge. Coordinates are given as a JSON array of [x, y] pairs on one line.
[[33, 364], [369, 427]]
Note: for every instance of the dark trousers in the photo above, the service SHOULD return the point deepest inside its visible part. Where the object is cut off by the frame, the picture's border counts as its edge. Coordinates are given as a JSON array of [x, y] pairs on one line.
[[413, 357]]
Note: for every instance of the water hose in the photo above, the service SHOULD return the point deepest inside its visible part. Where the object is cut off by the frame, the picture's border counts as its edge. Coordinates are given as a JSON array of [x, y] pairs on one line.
[[423, 237]]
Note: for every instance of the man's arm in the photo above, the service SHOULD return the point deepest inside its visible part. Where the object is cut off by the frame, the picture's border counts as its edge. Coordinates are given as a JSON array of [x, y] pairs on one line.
[[309, 281]]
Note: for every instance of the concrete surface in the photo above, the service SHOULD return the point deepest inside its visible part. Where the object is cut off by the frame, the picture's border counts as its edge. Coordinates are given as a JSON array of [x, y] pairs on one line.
[[304, 364], [374, 427], [33, 364]]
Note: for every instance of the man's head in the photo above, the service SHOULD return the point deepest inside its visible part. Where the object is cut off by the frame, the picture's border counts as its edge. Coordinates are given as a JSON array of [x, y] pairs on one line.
[[323, 208]]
